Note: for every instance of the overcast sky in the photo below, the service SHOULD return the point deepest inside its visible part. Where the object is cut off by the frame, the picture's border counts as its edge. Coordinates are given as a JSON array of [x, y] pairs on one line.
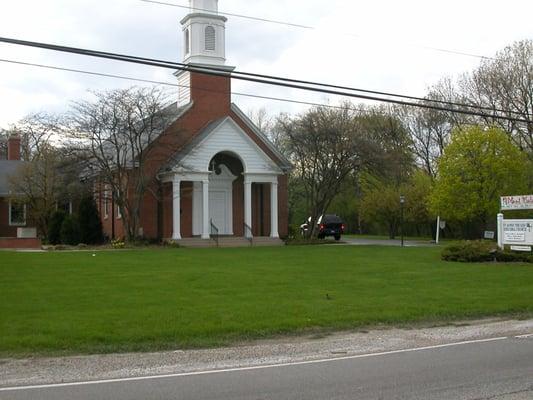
[[372, 44]]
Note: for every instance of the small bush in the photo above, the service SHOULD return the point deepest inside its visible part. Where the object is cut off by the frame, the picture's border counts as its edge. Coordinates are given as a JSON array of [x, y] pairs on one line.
[[294, 231], [482, 251], [118, 243]]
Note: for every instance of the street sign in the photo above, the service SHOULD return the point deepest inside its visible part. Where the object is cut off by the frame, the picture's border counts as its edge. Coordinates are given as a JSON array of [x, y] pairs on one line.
[[517, 202], [489, 235], [442, 224]]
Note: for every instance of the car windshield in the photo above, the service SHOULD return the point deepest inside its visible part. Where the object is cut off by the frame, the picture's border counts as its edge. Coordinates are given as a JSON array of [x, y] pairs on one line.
[[331, 219]]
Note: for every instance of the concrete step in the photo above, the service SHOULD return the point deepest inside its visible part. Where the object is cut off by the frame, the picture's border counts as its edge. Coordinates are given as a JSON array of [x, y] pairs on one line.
[[267, 241], [229, 241]]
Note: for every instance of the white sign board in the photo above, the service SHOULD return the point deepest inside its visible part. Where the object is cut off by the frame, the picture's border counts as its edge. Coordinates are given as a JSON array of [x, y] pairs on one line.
[[489, 235], [517, 202], [521, 248], [518, 231]]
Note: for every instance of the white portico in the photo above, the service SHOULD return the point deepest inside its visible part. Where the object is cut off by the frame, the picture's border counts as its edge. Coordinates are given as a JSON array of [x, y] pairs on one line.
[[220, 157]]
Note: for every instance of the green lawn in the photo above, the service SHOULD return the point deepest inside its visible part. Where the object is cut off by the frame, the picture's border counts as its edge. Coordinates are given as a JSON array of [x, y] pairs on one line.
[[63, 303]]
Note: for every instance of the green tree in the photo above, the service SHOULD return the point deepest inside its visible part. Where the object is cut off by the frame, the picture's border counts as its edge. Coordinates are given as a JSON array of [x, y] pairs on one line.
[[89, 221], [70, 230], [54, 229], [381, 203], [478, 166]]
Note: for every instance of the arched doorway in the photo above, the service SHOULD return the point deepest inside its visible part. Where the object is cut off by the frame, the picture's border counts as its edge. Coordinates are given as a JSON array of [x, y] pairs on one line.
[[225, 193]]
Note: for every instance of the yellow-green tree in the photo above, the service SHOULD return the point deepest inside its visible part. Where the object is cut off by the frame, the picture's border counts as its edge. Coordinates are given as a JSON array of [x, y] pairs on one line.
[[478, 166]]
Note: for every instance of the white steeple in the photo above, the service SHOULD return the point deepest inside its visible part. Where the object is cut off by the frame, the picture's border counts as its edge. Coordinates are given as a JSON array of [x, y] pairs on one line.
[[204, 34]]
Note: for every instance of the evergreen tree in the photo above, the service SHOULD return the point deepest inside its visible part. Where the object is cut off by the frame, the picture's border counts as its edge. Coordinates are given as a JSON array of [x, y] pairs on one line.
[[54, 229], [89, 221], [70, 230]]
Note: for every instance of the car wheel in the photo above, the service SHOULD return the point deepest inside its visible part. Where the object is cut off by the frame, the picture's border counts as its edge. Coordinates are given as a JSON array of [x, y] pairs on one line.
[[337, 237]]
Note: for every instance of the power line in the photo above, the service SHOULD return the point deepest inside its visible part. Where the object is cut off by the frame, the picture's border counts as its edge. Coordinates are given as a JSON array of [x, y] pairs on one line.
[[269, 80], [296, 25], [133, 79], [163, 3], [255, 75]]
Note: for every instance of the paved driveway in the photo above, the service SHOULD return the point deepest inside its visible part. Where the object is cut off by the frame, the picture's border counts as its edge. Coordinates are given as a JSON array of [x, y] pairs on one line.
[[385, 242]]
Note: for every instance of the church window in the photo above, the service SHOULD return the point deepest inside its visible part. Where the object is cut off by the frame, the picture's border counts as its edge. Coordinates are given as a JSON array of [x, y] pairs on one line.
[[187, 42], [210, 38]]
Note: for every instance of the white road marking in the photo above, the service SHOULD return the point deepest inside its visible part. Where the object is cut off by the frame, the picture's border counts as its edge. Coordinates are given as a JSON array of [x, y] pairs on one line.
[[524, 336], [218, 371]]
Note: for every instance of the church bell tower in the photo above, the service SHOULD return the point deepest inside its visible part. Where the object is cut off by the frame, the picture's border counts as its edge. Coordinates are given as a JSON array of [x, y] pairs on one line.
[[204, 45], [204, 34]]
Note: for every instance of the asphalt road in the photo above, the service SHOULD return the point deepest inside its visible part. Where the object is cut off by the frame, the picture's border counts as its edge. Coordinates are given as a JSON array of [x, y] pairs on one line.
[[497, 369]]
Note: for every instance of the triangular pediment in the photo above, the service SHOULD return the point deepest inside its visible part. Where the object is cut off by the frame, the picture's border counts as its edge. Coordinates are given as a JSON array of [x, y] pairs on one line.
[[223, 136]]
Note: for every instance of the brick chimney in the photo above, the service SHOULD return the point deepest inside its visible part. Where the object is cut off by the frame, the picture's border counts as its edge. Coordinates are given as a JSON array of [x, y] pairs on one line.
[[13, 148]]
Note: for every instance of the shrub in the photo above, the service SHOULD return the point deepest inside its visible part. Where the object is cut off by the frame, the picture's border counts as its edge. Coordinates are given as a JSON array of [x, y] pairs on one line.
[[54, 229], [89, 222], [482, 251], [118, 243], [294, 231], [70, 231]]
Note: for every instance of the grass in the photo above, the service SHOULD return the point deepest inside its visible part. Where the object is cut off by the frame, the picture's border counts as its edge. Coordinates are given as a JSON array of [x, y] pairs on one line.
[[69, 303]]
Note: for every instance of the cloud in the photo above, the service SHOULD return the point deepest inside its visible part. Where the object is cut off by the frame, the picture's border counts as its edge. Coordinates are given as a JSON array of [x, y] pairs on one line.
[[375, 45]]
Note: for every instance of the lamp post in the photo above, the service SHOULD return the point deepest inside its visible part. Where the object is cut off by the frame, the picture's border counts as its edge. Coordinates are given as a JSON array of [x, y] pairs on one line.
[[402, 201]]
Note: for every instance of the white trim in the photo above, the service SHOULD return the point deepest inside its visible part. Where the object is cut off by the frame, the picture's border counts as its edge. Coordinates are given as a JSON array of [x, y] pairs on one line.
[[176, 208], [106, 204], [274, 210], [11, 223]]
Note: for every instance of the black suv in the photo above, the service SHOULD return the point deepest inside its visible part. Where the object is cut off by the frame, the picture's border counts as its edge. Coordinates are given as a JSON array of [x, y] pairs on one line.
[[328, 225]]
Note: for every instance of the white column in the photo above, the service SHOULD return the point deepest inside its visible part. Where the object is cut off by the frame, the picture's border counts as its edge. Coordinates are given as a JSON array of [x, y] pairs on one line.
[[500, 231], [274, 210], [248, 206], [205, 214], [176, 207]]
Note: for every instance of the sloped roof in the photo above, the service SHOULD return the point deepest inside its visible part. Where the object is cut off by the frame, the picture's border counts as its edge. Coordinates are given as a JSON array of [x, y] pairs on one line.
[[281, 161], [285, 164], [7, 169], [195, 141]]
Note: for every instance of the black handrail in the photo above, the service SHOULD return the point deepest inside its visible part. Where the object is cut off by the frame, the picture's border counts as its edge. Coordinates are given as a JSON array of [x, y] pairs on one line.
[[214, 232], [248, 233]]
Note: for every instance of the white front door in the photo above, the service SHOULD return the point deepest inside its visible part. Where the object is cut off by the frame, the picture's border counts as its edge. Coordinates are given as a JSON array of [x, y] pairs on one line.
[[220, 202], [218, 210]]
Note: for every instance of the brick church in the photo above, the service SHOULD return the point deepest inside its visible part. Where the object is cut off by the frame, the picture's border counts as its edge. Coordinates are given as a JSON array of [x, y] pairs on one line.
[[216, 173]]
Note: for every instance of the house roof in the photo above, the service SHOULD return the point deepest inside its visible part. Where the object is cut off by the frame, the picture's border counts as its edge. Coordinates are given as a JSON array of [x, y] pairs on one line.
[[7, 169], [285, 164], [195, 141]]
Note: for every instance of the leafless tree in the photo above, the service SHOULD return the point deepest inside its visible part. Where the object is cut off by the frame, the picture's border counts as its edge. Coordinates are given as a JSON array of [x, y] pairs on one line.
[[37, 132], [117, 130], [506, 83], [3, 144], [325, 146], [39, 184]]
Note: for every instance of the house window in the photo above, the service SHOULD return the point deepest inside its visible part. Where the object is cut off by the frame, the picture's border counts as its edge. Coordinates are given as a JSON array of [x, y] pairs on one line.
[[106, 202], [66, 206], [17, 214], [187, 41], [210, 36]]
